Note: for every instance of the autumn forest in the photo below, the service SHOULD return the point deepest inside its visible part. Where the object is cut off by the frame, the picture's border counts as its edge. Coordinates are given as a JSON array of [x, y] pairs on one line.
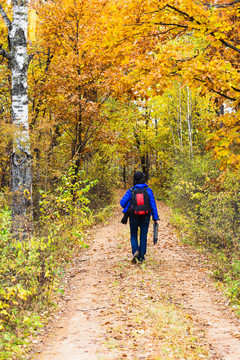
[[91, 91]]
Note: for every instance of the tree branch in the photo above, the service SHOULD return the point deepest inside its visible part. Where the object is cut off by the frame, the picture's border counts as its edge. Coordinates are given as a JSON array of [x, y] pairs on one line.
[[176, 25], [191, 18], [232, 3], [5, 18], [235, 89], [159, 23], [217, 92], [5, 54], [188, 58], [229, 45], [30, 57], [223, 95], [226, 4]]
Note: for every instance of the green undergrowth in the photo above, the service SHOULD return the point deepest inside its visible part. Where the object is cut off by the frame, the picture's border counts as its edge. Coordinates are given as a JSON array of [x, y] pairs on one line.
[[103, 215], [206, 213], [31, 274], [224, 261]]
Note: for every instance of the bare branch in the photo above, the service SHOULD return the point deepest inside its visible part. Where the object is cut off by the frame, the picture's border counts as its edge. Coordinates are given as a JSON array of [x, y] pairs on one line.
[[223, 95], [5, 54], [235, 89], [5, 17], [30, 57], [159, 23], [175, 25], [229, 45]]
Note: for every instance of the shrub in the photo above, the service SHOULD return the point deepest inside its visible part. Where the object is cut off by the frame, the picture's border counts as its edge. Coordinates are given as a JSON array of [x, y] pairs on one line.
[[106, 173], [220, 215], [69, 202], [210, 206], [210, 203], [30, 270]]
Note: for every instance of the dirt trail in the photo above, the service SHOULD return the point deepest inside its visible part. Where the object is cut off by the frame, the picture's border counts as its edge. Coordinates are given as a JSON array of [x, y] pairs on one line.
[[101, 317]]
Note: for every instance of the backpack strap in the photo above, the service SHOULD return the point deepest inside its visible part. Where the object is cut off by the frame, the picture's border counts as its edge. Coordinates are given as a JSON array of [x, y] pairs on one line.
[[131, 189]]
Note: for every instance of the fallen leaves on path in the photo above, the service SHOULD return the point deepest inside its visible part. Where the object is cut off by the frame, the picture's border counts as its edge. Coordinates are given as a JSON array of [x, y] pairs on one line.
[[166, 308]]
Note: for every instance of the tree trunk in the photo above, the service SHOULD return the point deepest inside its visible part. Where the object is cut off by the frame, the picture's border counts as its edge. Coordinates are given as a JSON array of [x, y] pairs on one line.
[[170, 126], [124, 176], [143, 157], [145, 166], [21, 156], [189, 122], [180, 119]]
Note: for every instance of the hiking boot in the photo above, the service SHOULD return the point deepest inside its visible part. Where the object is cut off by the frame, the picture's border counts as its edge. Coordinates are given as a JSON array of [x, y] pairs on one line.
[[135, 256]]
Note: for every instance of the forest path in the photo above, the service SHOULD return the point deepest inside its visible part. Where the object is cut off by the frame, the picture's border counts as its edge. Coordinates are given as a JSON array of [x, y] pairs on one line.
[[166, 308]]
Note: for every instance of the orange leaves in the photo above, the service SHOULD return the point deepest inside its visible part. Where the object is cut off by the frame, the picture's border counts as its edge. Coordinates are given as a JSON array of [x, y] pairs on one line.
[[158, 29], [140, 44], [136, 49]]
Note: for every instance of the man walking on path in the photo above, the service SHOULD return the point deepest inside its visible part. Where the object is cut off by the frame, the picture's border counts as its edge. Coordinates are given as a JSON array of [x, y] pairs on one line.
[[139, 204]]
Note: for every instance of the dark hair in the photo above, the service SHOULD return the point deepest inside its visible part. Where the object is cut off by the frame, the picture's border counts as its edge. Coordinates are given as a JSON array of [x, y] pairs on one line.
[[138, 178]]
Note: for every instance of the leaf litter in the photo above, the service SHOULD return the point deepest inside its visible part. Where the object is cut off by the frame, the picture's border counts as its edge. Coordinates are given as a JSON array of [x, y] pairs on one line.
[[166, 308]]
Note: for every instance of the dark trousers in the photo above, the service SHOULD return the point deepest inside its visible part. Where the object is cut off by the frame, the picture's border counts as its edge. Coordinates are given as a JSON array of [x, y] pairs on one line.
[[142, 223]]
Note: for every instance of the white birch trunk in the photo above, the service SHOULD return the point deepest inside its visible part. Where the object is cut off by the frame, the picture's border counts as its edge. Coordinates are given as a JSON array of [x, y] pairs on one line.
[[21, 156], [180, 119], [189, 122], [171, 129]]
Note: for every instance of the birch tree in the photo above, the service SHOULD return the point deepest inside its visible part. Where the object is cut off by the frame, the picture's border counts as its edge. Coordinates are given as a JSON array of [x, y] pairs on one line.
[[189, 121], [21, 157]]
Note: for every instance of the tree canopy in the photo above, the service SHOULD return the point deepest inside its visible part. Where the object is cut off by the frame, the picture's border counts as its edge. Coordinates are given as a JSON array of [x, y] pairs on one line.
[[144, 81]]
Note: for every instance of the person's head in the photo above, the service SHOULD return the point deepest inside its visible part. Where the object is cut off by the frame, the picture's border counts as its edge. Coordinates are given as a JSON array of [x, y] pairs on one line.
[[138, 178]]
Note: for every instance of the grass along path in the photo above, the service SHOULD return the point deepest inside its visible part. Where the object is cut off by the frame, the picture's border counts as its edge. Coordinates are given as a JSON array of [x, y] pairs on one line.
[[166, 308]]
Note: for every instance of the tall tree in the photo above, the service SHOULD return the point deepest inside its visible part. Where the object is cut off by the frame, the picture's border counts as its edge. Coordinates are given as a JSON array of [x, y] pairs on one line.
[[18, 61], [75, 81], [197, 41]]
